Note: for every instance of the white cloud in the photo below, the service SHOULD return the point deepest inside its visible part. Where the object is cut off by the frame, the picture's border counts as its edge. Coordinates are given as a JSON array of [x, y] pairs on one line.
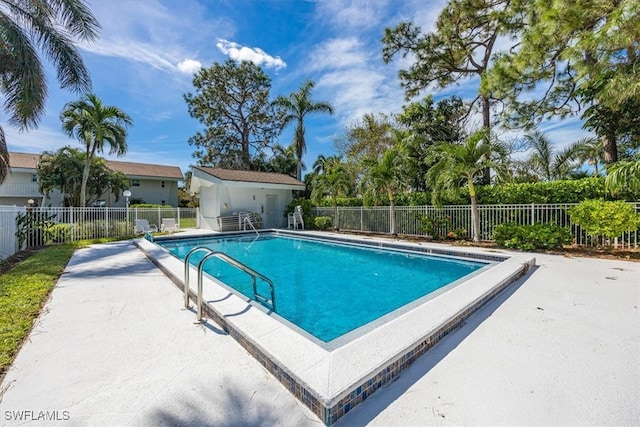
[[37, 140], [353, 14], [135, 51], [189, 66], [338, 53], [256, 55]]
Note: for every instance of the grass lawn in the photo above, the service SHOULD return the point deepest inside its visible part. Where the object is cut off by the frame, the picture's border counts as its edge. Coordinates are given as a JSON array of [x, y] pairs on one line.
[[23, 291]]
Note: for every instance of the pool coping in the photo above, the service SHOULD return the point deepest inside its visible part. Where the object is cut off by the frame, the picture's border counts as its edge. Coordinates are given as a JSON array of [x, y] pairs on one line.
[[332, 382]]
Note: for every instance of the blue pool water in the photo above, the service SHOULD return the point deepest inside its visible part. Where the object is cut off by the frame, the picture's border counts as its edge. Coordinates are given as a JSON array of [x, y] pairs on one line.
[[327, 288]]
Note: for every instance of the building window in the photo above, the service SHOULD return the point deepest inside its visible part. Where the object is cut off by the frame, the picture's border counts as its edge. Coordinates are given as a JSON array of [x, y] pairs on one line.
[[163, 202], [135, 183], [34, 177], [162, 184]]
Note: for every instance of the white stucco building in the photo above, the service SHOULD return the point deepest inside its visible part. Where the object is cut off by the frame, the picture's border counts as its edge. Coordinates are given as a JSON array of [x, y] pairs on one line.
[[226, 192]]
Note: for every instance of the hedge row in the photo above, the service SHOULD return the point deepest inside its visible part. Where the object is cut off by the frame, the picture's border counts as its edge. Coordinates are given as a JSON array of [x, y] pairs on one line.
[[570, 191]]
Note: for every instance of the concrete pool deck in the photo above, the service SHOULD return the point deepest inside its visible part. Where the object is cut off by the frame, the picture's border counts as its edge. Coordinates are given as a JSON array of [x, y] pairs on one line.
[[114, 347]]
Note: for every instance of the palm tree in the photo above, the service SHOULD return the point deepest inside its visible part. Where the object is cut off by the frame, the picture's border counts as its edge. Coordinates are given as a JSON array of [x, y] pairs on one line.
[[47, 26], [333, 181], [387, 175], [623, 176], [590, 151], [296, 106], [322, 163], [548, 163], [94, 124], [462, 164], [283, 160]]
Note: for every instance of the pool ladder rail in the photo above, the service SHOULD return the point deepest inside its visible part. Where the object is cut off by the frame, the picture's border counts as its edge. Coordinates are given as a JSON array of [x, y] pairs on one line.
[[269, 303]]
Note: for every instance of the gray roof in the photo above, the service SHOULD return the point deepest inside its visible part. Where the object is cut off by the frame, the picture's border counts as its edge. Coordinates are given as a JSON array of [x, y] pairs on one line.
[[30, 161], [250, 176]]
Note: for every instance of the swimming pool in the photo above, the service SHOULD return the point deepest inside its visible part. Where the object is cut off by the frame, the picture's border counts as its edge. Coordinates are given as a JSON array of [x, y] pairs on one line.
[[328, 288], [332, 378]]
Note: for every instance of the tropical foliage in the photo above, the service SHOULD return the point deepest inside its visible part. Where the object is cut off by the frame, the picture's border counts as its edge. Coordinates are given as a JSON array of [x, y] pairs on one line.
[[295, 108], [333, 180], [388, 176], [95, 125], [532, 236], [457, 165], [63, 170], [624, 177], [50, 27], [604, 218]]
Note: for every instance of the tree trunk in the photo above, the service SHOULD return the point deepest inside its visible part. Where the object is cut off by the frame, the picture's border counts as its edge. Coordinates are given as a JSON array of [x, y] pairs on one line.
[[486, 124], [392, 215], [475, 217], [335, 215], [85, 179], [610, 147]]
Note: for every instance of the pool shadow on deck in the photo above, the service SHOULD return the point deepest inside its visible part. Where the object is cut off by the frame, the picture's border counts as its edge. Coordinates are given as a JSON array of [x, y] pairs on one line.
[[367, 411]]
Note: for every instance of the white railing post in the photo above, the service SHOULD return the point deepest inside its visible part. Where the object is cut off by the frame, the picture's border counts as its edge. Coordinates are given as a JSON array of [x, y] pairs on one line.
[[533, 213]]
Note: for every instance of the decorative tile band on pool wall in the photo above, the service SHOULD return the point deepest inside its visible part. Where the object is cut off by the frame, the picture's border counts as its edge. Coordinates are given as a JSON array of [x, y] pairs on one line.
[[385, 375]]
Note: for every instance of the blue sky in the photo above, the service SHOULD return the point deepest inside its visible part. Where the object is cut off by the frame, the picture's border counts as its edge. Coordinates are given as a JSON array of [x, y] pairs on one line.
[[149, 50]]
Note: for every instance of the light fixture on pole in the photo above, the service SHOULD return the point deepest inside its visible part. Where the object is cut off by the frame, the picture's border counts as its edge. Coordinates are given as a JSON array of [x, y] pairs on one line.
[[127, 194]]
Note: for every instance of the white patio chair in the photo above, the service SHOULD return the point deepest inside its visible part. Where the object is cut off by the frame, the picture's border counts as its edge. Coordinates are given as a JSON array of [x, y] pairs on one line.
[[142, 226], [295, 218], [169, 225]]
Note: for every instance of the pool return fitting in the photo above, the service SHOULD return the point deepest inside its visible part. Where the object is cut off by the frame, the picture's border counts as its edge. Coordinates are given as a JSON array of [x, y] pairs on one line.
[[269, 303]]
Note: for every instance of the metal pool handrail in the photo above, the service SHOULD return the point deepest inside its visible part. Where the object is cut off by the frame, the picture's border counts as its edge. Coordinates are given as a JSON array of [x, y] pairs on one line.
[[186, 272], [269, 303], [248, 220]]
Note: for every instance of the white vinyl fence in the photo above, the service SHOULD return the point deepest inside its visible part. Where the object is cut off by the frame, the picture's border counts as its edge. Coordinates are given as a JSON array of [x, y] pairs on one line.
[[435, 222], [22, 227]]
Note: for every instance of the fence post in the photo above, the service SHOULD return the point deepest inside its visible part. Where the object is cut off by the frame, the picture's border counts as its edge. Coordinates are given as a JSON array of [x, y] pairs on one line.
[[361, 219], [178, 214], [533, 213]]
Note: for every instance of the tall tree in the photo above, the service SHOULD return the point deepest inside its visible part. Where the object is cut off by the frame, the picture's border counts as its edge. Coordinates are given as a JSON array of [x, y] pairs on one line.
[[48, 26], [428, 123], [232, 101], [461, 47], [458, 165], [296, 107], [574, 54], [63, 170], [93, 124]]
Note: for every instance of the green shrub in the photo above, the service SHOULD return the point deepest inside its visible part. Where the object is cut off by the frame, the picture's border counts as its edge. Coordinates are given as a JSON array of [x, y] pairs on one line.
[[323, 222], [307, 210], [607, 219], [435, 225], [150, 205], [60, 233], [530, 237]]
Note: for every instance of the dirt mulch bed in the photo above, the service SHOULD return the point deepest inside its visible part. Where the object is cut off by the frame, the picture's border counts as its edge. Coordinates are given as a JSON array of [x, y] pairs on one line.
[[15, 259], [624, 254]]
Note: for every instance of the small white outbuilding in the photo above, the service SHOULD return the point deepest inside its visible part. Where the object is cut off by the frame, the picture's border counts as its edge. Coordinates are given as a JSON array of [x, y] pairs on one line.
[[227, 193]]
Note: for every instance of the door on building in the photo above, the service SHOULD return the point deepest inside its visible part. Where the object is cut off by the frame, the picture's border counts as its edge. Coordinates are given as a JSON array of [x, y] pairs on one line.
[[270, 213]]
